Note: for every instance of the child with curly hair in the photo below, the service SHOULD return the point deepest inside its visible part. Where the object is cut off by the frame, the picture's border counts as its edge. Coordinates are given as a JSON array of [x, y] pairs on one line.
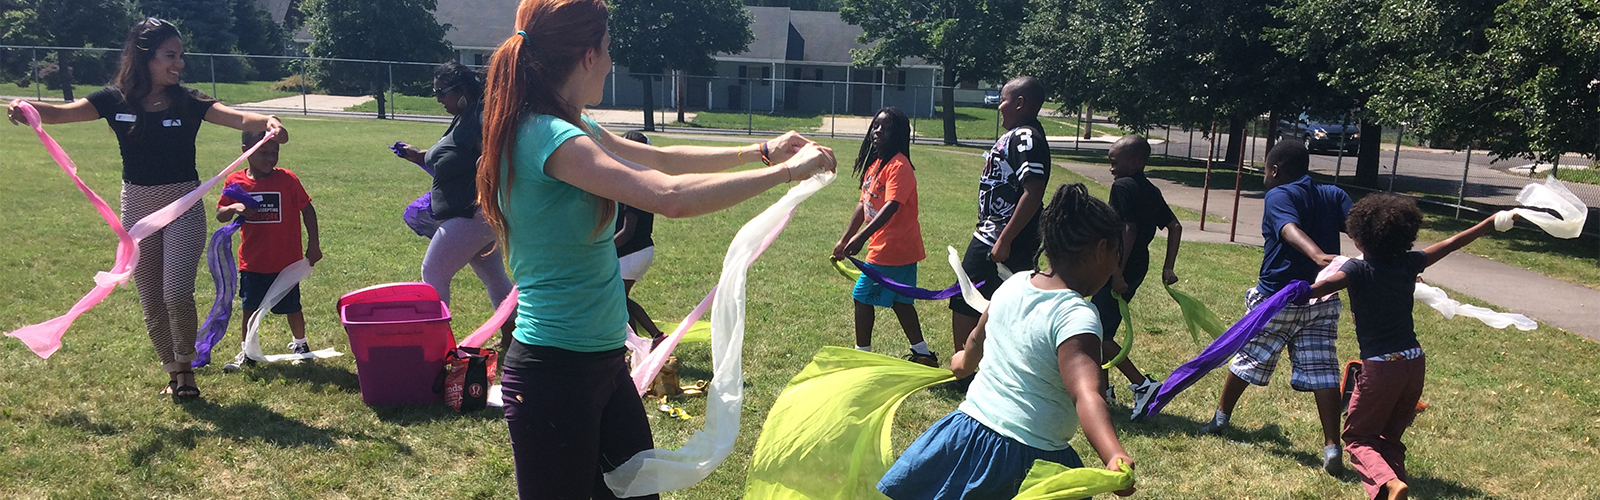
[[1392, 368]]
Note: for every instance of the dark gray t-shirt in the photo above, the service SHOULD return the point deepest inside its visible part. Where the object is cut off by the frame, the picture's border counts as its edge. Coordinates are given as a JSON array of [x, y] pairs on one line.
[[1380, 302], [454, 160]]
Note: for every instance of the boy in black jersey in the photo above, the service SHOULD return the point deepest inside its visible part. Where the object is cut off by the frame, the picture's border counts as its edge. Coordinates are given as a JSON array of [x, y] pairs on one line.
[[1010, 192]]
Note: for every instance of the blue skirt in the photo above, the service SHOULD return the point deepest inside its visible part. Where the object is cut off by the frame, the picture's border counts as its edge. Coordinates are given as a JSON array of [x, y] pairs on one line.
[[959, 458]]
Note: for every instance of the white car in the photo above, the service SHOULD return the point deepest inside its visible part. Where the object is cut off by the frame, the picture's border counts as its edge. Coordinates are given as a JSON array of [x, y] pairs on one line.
[[991, 97]]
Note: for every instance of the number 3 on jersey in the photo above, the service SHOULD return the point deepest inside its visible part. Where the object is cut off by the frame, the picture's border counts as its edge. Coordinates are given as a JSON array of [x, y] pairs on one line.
[[1026, 137]]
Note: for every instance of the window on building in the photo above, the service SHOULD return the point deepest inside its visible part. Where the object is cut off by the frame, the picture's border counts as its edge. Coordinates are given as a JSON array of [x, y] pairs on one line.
[[902, 78], [766, 75], [744, 72], [478, 59]]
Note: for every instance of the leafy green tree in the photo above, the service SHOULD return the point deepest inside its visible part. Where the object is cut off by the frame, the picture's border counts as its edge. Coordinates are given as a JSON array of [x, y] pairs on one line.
[[258, 35], [1393, 61], [967, 39], [68, 23], [1539, 79], [657, 36], [392, 30], [1153, 62]]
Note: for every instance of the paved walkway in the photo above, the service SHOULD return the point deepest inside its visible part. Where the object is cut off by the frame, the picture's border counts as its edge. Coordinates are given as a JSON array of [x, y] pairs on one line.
[[1558, 303]]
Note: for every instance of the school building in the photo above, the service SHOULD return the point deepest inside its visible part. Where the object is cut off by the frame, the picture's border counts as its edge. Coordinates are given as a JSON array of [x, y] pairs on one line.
[[783, 70]]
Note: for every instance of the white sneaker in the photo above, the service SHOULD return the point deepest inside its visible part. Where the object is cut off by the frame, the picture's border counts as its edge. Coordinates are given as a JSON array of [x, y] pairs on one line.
[[1142, 394]]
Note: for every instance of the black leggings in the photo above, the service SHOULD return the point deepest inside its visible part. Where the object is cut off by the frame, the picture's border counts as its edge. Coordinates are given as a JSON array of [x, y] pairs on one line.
[[573, 417]]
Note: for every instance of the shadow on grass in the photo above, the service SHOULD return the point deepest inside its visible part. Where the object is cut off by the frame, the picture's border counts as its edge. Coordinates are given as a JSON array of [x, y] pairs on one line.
[[244, 422], [78, 420], [1270, 438], [319, 376], [1427, 486], [408, 415]]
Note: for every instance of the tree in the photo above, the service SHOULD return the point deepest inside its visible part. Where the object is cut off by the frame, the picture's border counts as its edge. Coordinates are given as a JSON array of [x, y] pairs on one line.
[[1537, 85], [1393, 61], [393, 30], [967, 39], [258, 35], [67, 23], [657, 36], [1163, 62]]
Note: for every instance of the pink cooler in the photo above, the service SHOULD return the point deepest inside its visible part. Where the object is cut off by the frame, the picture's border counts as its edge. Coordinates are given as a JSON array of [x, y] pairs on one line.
[[399, 333]]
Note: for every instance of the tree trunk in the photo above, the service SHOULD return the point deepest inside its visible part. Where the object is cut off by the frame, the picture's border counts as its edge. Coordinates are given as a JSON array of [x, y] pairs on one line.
[[1235, 141], [1272, 129], [649, 104], [1367, 158], [64, 74], [949, 107], [682, 86], [383, 102], [1088, 122]]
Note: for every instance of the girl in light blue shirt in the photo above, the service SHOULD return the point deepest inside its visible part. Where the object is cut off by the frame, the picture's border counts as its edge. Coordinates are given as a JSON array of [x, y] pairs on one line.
[[1036, 353]]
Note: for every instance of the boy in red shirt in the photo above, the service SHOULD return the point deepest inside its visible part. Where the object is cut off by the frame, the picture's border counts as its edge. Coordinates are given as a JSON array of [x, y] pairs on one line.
[[270, 239]]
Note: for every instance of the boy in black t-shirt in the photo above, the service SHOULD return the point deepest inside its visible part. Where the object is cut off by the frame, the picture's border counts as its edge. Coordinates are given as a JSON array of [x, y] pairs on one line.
[[1010, 192], [1143, 209]]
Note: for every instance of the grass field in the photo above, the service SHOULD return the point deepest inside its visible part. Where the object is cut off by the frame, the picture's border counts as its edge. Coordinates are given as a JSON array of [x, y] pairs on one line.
[[1512, 414]]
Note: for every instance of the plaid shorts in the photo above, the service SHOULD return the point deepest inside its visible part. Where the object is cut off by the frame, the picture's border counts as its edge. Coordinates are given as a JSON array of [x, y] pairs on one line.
[[1309, 332]]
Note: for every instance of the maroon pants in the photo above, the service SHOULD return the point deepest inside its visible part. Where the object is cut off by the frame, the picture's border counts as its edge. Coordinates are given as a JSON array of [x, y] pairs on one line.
[[1383, 405]]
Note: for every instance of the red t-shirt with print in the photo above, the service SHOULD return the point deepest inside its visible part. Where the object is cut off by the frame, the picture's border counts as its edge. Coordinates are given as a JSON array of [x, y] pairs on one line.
[[899, 242], [270, 239]]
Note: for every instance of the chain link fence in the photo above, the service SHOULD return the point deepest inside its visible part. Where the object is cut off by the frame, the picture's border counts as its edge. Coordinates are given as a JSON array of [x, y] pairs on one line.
[[831, 101], [1462, 183]]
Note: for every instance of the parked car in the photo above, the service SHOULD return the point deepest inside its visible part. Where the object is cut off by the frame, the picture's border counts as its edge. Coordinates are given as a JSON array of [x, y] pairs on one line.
[[991, 97], [1320, 135]]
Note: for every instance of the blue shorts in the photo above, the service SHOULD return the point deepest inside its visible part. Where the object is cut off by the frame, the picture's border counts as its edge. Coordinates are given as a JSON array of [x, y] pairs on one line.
[[253, 288], [871, 293], [960, 458]]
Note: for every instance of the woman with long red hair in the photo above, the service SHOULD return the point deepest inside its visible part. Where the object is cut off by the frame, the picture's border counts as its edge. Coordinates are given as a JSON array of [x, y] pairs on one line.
[[548, 183]]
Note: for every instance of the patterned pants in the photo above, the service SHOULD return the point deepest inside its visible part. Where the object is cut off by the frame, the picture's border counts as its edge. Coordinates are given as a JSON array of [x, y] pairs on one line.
[[1308, 331], [165, 274]]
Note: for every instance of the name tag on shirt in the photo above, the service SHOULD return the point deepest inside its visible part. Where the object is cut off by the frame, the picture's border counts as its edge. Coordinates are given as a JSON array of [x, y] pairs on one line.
[[172, 123], [125, 117]]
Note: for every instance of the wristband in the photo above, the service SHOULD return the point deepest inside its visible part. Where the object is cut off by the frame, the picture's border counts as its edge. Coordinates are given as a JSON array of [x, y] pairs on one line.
[[765, 158]]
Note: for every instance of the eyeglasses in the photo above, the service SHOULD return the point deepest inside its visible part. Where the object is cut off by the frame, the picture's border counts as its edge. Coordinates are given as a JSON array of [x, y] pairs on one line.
[[438, 92]]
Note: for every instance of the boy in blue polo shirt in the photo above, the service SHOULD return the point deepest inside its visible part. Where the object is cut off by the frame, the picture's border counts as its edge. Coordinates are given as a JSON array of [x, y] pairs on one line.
[[1301, 224]]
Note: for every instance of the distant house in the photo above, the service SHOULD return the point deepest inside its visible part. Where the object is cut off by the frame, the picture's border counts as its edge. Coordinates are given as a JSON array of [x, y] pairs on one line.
[[784, 69]]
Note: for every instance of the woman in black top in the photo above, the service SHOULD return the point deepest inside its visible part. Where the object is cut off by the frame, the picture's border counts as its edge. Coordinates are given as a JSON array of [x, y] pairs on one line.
[[463, 237], [156, 120]]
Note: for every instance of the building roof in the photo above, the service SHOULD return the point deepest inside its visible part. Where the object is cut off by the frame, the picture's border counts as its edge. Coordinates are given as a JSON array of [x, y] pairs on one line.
[[823, 37], [278, 9]]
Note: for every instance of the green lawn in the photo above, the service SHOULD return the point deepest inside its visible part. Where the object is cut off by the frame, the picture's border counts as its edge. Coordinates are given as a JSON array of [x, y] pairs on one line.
[[1584, 175], [1512, 414], [757, 121], [405, 104], [980, 123]]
